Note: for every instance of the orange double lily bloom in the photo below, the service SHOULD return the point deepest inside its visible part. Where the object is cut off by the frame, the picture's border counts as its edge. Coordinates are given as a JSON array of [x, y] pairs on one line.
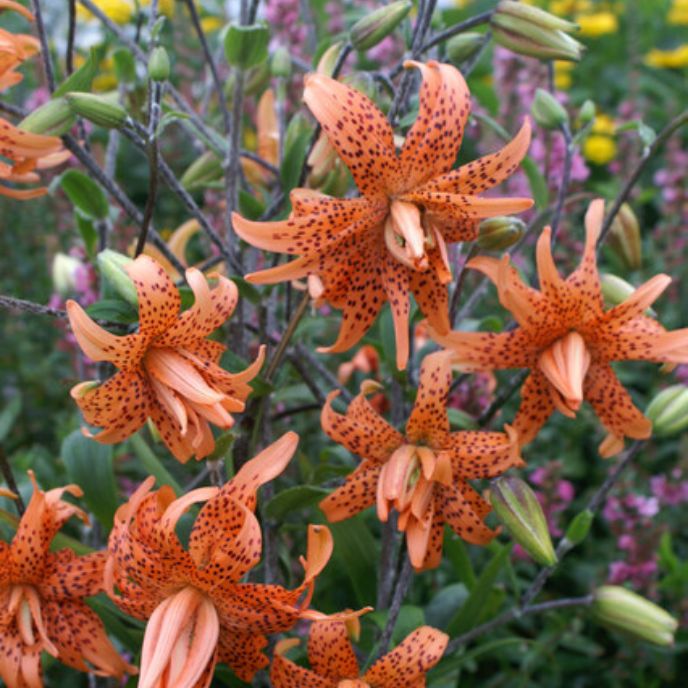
[[198, 613], [359, 253], [14, 48], [424, 474], [567, 340], [42, 595], [26, 153], [168, 370], [334, 664]]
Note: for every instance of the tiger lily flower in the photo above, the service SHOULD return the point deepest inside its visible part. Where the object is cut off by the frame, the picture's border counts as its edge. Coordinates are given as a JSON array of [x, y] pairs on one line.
[[14, 48], [198, 612], [393, 239], [27, 153], [168, 370], [424, 474], [42, 595], [567, 340], [334, 665]]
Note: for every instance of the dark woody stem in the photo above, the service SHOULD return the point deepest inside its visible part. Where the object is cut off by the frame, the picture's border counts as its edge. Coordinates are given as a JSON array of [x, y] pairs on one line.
[[402, 586], [6, 471]]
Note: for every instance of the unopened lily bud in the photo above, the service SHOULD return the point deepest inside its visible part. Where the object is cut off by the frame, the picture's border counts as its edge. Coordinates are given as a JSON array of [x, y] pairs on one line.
[[518, 508], [463, 46], [53, 118], [668, 411], [257, 79], [580, 527], [624, 237], [623, 610], [202, 171], [547, 111], [587, 112], [159, 64], [500, 232], [528, 30], [616, 290], [371, 29], [369, 387], [100, 110], [280, 65], [64, 273], [113, 267], [328, 59]]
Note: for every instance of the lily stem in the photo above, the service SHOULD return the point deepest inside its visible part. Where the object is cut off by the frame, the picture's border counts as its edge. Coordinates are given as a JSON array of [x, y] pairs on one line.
[[6, 470], [401, 588], [565, 179]]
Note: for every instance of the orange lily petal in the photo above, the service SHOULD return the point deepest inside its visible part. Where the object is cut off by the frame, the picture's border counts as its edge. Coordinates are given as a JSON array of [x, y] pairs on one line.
[[396, 285], [638, 302], [285, 674], [357, 130], [430, 292], [536, 407], [457, 507], [23, 194], [17, 7], [168, 427], [586, 278], [477, 455], [18, 143], [464, 208], [357, 493], [550, 281], [267, 128], [68, 575], [428, 422], [19, 666], [242, 652], [433, 141], [418, 540], [329, 651], [406, 665]]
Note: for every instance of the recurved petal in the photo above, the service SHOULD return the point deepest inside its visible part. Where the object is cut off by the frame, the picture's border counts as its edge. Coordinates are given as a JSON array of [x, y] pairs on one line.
[[358, 131], [478, 454], [285, 674], [637, 303], [613, 404], [242, 652], [361, 430], [98, 344], [428, 422], [408, 663], [19, 666], [434, 139], [462, 509], [431, 295], [330, 652], [395, 280], [22, 194], [641, 339], [356, 494], [18, 143], [535, 408], [465, 208], [168, 427], [210, 310], [17, 7], [68, 575], [585, 278], [550, 280]]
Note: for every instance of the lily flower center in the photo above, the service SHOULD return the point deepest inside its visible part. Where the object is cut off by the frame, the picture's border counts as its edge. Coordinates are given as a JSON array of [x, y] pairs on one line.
[[180, 641], [565, 364], [25, 606], [406, 236]]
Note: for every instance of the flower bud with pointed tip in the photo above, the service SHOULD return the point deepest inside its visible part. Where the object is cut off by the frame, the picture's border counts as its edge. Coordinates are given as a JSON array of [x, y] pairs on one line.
[[53, 118], [159, 64], [64, 272], [328, 59], [500, 232], [112, 267], [280, 65], [463, 46], [518, 508], [547, 111], [101, 110], [668, 411], [579, 527], [624, 237], [623, 610], [587, 112], [377, 25], [202, 171]]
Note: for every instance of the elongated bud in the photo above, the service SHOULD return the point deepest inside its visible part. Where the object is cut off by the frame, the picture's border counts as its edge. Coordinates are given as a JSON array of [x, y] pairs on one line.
[[112, 267], [587, 112], [616, 290], [547, 111], [668, 411], [64, 273], [280, 65], [202, 171], [518, 508], [53, 118], [328, 59], [528, 30], [371, 29], [580, 527], [623, 610], [500, 232], [624, 237], [100, 110], [159, 64], [462, 47]]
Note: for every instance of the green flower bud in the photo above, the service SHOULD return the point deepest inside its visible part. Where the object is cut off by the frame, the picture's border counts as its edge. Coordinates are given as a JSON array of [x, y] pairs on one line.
[[616, 290], [517, 507], [101, 110], [668, 411], [528, 30], [280, 65], [125, 65], [159, 64], [64, 273], [587, 113], [579, 527], [112, 266], [623, 610], [53, 118], [500, 232], [624, 237], [202, 171], [463, 46], [371, 29], [328, 59], [257, 79], [547, 111], [246, 46]]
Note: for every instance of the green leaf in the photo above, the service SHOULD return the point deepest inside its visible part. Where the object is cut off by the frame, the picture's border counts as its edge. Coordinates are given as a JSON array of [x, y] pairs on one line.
[[355, 552], [293, 499], [247, 290], [114, 310], [294, 158], [455, 550], [152, 464], [470, 614], [170, 117], [85, 194], [246, 46], [89, 465], [461, 420], [125, 65], [445, 604], [538, 184], [88, 232], [249, 206], [8, 416], [81, 79]]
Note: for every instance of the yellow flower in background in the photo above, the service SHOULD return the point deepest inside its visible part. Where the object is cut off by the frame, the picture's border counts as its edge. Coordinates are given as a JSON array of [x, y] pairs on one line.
[[211, 24], [597, 24], [119, 11], [678, 14], [668, 59], [599, 147], [562, 74]]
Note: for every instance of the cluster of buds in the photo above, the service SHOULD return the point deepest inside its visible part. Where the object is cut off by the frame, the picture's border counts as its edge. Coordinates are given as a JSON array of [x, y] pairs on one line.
[[624, 237], [530, 31]]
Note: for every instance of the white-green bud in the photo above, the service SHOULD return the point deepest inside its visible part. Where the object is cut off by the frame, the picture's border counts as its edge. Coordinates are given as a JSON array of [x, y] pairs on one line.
[[112, 266]]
